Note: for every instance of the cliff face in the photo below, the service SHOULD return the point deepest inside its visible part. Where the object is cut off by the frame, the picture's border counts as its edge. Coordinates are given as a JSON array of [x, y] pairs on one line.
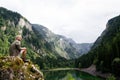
[[13, 68]]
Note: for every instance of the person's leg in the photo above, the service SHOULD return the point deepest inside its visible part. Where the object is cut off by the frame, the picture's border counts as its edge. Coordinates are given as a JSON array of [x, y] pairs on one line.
[[24, 55]]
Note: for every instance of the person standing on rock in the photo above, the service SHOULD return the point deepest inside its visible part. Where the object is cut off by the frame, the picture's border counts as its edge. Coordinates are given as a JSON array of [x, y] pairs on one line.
[[16, 49]]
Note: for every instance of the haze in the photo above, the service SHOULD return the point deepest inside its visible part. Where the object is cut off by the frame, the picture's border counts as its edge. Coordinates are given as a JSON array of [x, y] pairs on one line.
[[81, 20]]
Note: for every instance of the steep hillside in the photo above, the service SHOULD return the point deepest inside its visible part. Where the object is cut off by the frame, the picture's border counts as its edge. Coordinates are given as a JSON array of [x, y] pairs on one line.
[[105, 52], [59, 45]]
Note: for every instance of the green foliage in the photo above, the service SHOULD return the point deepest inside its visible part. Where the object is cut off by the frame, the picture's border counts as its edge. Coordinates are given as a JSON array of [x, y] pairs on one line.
[[107, 52], [85, 60], [111, 78], [6, 62], [2, 23], [9, 15], [116, 66], [47, 63], [69, 77]]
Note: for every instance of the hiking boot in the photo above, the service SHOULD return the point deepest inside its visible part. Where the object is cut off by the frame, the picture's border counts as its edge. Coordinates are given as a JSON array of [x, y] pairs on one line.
[[25, 60]]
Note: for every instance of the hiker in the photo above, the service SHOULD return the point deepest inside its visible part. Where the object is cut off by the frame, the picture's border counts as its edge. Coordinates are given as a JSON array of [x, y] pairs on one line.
[[16, 49]]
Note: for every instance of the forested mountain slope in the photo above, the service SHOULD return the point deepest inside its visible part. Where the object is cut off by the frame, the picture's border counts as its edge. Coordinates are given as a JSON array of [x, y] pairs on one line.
[[105, 52]]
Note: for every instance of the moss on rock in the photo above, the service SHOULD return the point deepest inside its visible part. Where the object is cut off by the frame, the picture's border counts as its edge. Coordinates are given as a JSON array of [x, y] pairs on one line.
[[13, 68]]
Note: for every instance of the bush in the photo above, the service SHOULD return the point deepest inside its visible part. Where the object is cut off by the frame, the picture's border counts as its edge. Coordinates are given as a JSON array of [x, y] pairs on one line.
[[111, 78], [116, 66]]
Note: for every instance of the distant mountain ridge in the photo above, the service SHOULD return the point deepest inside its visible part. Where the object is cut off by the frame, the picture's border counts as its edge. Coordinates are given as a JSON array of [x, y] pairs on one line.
[[85, 47]]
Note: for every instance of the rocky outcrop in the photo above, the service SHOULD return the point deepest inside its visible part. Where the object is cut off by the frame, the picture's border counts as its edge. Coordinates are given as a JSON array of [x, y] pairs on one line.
[[13, 68]]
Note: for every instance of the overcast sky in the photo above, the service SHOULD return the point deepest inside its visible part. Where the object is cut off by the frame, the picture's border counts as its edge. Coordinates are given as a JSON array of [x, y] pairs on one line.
[[81, 20]]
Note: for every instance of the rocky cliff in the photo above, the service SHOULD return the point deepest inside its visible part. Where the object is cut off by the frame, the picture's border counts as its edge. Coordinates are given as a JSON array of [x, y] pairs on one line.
[[13, 68]]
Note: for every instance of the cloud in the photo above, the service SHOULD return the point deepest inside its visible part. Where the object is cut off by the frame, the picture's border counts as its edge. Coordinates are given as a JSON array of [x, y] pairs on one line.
[[81, 20]]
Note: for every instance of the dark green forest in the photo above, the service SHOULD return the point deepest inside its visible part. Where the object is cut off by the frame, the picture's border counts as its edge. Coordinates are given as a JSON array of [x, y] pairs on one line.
[[105, 53]]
